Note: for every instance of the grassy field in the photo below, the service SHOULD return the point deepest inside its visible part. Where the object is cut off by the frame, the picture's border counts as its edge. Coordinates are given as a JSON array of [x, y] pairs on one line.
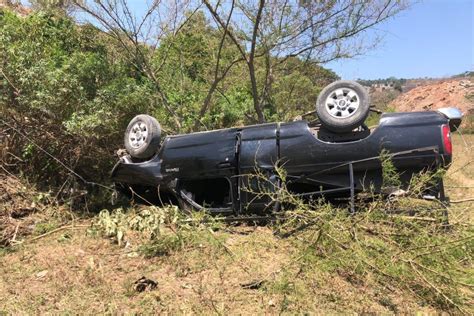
[[229, 269]]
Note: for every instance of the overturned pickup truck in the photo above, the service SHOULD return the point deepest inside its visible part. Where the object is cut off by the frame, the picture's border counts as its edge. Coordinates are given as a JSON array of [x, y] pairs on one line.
[[336, 157]]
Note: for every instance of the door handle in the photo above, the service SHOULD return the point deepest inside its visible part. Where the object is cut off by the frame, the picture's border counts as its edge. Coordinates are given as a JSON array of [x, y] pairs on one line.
[[224, 165]]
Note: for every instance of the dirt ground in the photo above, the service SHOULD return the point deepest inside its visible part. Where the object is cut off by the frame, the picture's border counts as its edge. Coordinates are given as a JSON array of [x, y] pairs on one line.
[[73, 270]]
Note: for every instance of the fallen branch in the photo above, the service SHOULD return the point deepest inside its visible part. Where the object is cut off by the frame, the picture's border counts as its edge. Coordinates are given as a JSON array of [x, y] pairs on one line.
[[460, 168], [17, 91], [435, 246], [441, 293], [459, 186], [14, 234], [463, 200], [57, 230], [442, 275], [427, 219]]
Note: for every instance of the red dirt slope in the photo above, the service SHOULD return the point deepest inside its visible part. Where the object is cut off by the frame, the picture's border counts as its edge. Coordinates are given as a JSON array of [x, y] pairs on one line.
[[444, 93]]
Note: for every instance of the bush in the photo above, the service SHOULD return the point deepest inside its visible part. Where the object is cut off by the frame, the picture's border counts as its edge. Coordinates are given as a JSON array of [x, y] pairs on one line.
[[62, 91]]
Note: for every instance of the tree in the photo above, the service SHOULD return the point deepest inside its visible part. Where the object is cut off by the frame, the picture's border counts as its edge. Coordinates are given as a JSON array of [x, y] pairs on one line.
[[140, 35], [191, 73], [63, 7], [266, 34], [314, 31]]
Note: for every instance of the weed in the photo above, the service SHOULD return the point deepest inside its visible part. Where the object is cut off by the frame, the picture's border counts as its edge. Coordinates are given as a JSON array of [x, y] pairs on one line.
[[468, 121], [66, 237], [161, 231], [6, 250], [424, 181], [148, 221], [387, 302], [45, 227], [283, 284], [183, 236], [129, 287], [162, 246], [390, 176]]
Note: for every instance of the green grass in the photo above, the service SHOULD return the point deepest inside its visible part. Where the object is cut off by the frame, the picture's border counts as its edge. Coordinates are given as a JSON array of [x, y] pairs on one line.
[[45, 227]]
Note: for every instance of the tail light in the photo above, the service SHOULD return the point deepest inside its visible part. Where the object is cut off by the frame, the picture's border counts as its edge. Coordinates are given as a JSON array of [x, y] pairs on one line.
[[448, 145]]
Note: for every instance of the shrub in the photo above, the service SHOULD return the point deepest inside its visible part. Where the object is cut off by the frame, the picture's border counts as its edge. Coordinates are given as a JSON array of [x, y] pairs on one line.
[[64, 92], [158, 231]]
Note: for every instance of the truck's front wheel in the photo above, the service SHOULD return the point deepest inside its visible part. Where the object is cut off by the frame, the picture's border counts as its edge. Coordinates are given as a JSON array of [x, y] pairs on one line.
[[142, 136]]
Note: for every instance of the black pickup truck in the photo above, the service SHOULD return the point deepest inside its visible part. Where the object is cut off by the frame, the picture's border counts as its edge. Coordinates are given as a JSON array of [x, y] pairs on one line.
[[340, 156]]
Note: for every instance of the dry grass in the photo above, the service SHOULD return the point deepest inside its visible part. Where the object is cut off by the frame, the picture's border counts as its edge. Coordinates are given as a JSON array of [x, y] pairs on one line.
[[73, 272], [459, 180], [80, 271], [25, 211]]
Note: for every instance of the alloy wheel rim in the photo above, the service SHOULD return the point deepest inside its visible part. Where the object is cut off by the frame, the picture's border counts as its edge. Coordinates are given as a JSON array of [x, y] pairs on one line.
[[342, 103], [138, 134]]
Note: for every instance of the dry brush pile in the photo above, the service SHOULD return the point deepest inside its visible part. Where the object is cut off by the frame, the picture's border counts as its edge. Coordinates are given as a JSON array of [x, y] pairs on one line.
[[25, 211]]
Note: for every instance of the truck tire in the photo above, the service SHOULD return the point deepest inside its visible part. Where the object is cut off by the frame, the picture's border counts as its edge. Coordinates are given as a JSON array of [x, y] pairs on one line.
[[342, 106], [142, 136]]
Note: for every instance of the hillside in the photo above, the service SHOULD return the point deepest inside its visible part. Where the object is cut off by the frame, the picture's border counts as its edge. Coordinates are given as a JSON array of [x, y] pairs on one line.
[[69, 244], [69, 265], [432, 95]]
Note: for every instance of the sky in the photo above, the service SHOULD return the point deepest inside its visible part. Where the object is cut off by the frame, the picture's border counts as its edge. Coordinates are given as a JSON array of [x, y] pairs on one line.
[[434, 38]]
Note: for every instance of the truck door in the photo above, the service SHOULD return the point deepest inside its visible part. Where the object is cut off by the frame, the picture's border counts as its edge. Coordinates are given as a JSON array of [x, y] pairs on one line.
[[204, 166], [258, 156]]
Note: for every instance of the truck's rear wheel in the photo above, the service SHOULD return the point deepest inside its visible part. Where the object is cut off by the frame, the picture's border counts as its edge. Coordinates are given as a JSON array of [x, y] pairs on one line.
[[342, 106], [142, 136]]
